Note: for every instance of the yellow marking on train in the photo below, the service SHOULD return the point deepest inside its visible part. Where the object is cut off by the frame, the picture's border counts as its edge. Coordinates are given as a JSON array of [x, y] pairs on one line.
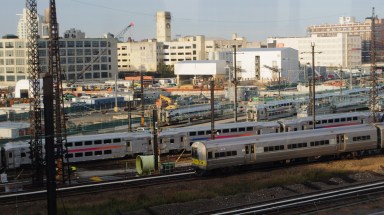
[[199, 162], [96, 179]]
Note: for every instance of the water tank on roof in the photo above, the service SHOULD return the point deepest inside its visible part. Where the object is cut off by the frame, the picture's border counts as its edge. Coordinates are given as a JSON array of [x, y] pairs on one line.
[[10, 36]]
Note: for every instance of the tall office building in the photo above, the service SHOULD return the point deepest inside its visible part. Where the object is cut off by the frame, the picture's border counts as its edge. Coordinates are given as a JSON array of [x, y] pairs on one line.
[[349, 26], [22, 27]]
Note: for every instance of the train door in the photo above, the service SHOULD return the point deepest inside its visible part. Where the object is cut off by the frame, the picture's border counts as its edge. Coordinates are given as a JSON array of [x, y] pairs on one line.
[[2, 159], [11, 159], [250, 152], [128, 147], [340, 141]]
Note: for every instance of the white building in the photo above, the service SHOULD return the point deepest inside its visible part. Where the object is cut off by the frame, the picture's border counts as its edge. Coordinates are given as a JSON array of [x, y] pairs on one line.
[[200, 69], [256, 64], [138, 56], [76, 55], [340, 50]]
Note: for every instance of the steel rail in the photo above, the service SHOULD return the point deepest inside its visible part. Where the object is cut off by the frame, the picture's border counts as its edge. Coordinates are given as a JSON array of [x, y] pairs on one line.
[[289, 203]]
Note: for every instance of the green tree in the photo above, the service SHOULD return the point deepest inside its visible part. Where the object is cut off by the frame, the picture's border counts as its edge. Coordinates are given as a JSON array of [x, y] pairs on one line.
[[165, 71]]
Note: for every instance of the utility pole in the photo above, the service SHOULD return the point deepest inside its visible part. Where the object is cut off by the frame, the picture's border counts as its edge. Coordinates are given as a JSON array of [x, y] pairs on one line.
[[212, 109], [373, 93], [235, 83], [50, 142], [142, 98], [312, 95], [341, 79], [155, 146]]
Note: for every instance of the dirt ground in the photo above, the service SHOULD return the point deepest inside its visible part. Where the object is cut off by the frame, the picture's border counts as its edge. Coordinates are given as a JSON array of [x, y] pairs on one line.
[[362, 170]]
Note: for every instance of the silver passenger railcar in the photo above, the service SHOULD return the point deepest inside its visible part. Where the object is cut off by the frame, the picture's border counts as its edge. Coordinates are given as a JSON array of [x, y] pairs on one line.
[[289, 146]]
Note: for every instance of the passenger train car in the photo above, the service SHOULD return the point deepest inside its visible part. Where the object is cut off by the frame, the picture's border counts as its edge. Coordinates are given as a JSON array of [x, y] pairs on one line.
[[287, 146], [186, 113], [128, 144]]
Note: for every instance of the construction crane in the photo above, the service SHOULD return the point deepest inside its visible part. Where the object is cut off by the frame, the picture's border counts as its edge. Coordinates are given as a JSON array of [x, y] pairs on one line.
[[97, 57], [120, 35]]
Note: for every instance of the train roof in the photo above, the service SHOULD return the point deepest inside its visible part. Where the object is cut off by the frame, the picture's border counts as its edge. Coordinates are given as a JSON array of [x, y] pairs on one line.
[[227, 125], [16, 144], [324, 116], [305, 134]]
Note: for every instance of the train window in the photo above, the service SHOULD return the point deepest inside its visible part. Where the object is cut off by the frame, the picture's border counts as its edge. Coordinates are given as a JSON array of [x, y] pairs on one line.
[[259, 132], [337, 120], [326, 142], [324, 121], [200, 133], [78, 155], [252, 149], [299, 145], [181, 139], [246, 150], [304, 144], [281, 147], [270, 148], [349, 119], [98, 152], [161, 140], [69, 156], [222, 154], [10, 155], [78, 143], [97, 142], [343, 119], [330, 121], [233, 129], [318, 122], [192, 133], [241, 129], [234, 153], [107, 141], [265, 149], [23, 154], [127, 144], [209, 155], [225, 130], [277, 148], [354, 118], [217, 155], [218, 131], [69, 144], [172, 140], [310, 123], [108, 152], [87, 143], [88, 154], [117, 140], [208, 132], [249, 128], [312, 144]]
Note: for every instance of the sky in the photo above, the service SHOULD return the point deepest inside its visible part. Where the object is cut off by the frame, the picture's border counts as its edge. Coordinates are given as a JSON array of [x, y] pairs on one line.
[[253, 19]]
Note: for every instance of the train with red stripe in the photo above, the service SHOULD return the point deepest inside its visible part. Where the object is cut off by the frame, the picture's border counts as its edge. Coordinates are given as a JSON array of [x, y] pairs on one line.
[[93, 147]]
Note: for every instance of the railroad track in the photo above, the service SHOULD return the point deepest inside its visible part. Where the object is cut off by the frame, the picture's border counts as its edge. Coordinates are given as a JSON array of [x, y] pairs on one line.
[[307, 203], [86, 189]]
